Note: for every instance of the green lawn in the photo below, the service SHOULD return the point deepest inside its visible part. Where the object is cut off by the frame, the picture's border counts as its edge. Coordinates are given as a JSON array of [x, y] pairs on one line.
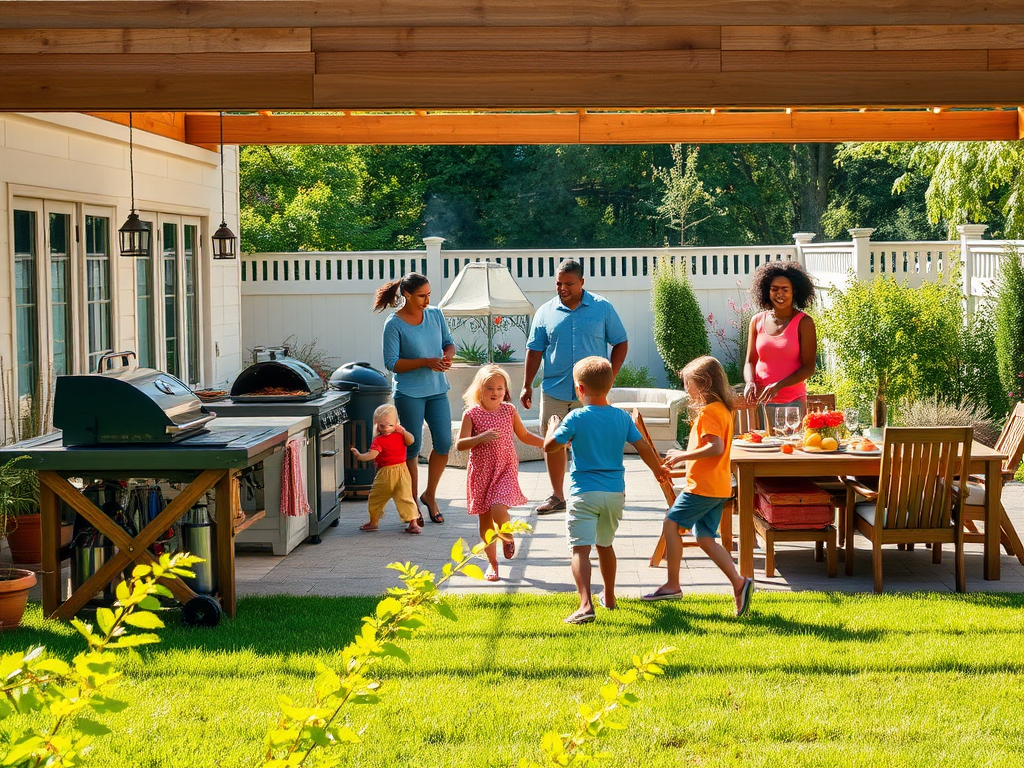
[[808, 679]]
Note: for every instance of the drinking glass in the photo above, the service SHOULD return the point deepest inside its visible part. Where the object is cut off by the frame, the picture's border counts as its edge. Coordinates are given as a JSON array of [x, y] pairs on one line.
[[852, 418], [793, 419], [780, 421]]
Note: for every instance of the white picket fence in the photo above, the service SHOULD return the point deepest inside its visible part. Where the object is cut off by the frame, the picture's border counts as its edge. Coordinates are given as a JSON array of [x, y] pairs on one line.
[[328, 297]]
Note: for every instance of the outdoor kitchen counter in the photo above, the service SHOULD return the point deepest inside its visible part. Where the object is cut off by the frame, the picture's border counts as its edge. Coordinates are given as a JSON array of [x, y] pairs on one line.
[[208, 461]]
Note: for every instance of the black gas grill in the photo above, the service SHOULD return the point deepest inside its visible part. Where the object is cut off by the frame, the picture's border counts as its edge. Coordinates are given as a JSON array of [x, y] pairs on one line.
[[129, 405], [276, 377], [326, 410]]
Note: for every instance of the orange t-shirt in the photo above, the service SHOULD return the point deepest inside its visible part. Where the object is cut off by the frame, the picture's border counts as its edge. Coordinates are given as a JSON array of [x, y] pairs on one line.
[[710, 477]]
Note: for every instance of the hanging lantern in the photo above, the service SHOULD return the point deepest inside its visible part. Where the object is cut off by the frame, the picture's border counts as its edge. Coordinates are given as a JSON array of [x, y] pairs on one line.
[[134, 235], [224, 239]]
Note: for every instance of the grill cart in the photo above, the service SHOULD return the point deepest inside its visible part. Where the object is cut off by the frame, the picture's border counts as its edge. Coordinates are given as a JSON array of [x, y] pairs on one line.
[[138, 423]]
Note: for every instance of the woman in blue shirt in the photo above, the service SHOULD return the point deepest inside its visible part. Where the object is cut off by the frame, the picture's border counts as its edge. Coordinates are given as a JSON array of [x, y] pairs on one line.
[[418, 348]]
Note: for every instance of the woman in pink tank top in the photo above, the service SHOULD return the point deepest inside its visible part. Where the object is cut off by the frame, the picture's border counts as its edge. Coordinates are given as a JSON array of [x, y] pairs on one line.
[[783, 342]]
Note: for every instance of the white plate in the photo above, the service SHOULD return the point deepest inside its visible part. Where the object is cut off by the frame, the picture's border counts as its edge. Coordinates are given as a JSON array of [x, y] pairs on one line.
[[840, 449], [765, 447], [876, 452]]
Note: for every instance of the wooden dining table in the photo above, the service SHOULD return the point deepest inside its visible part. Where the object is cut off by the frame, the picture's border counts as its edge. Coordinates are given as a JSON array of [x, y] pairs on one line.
[[750, 464]]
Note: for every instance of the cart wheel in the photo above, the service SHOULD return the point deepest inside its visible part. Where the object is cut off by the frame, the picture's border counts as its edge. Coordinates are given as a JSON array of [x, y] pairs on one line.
[[201, 611], [315, 539], [335, 522]]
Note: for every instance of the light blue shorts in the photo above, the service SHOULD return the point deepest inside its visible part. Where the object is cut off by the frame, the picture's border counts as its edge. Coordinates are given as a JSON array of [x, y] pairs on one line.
[[700, 514], [593, 517]]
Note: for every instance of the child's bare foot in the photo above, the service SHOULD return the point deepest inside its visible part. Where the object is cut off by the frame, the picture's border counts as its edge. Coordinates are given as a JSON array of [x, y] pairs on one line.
[[368, 527], [492, 574], [607, 601], [413, 528]]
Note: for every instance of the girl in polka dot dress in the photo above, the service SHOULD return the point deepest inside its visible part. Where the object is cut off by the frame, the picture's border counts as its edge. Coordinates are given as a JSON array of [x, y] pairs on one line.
[[492, 484]]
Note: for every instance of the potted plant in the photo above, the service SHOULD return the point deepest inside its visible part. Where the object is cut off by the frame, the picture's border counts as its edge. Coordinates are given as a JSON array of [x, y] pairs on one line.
[[19, 494]]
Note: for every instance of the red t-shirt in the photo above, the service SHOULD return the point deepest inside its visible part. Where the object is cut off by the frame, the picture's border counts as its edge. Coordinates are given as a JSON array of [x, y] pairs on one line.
[[391, 450]]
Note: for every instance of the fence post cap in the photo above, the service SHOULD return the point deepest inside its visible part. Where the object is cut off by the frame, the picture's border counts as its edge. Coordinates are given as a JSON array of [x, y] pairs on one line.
[[858, 232], [971, 230], [802, 238]]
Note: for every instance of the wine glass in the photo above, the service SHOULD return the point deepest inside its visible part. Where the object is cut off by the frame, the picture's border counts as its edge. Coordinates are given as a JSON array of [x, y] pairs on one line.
[[852, 418], [780, 421], [793, 419]]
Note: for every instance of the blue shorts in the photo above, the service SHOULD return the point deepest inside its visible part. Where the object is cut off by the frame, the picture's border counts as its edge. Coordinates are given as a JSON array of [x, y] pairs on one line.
[[700, 514], [412, 411]]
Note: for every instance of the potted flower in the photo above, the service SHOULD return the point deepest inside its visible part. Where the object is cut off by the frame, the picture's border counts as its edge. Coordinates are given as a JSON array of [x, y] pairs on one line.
[[19, 495]]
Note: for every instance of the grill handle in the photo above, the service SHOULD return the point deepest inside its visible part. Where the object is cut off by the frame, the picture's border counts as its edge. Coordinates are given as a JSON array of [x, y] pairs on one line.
[[103, 364], [174, 429]]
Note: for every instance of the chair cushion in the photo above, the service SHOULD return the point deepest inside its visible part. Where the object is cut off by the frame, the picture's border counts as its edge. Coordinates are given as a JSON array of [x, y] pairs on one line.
[[791, 491], [794, 516], [647, 410], [866, 510], [975, 493]]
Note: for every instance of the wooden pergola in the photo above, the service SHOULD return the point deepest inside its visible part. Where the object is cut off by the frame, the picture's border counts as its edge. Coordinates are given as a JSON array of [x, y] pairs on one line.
[[520, 71]]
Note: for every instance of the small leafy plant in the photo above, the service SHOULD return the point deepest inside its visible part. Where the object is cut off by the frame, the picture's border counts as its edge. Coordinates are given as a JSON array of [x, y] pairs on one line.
[[401, 615], [502, 353], [471, 352], [634, 376], [57, 699]]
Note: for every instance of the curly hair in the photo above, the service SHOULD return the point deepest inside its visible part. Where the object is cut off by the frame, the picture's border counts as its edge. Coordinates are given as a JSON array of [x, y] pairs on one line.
[[803, 287]]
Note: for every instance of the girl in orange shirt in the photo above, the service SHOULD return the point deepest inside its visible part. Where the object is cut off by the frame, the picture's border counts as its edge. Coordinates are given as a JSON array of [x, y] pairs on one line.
[[708, 481]]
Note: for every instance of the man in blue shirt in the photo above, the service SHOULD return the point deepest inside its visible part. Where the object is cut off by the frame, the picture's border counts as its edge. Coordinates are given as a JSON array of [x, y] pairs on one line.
[[572, 326]]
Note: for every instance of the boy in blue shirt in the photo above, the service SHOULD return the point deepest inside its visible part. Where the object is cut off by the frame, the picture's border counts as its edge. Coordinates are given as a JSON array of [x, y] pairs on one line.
[[597, 477]]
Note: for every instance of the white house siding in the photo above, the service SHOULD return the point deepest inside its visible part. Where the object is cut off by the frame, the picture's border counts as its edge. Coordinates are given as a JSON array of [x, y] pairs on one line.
[[85, 160]]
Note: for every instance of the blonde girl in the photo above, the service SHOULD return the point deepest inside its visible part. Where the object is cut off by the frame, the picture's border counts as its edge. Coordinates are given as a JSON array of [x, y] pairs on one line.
[[708, 481], [492, 483]]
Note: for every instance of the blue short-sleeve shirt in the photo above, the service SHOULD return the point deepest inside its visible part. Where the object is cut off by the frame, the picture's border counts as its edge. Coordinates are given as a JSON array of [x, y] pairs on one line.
[[598, 434], [566, 336], [411, 342]]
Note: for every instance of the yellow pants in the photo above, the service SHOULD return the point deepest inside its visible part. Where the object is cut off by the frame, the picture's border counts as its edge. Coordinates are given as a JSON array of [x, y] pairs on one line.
[[392, 482]]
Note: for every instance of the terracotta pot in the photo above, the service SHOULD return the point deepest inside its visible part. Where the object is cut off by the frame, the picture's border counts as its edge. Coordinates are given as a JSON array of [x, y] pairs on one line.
[[14, 586], [25, 540]]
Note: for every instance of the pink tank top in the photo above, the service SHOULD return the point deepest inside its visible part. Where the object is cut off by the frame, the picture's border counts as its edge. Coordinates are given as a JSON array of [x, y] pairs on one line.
[[779, 357]]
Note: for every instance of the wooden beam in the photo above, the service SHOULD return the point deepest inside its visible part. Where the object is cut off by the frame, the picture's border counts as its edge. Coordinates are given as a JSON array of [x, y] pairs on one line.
[[854, 61], [169, 124], [163, 14], [411, 89], [623, 38], [881, 37], [606, 128], [81, 41]]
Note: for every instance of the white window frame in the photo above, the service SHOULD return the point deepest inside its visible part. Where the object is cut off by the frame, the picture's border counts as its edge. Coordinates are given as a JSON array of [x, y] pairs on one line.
[[110, 214]]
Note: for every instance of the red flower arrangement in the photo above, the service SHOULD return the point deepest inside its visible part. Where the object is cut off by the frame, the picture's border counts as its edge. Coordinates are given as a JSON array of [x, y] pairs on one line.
[[824, 420]]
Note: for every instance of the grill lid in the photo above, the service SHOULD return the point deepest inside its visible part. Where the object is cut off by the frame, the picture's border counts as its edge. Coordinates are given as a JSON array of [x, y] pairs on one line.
[[279, 379], [126, 405]]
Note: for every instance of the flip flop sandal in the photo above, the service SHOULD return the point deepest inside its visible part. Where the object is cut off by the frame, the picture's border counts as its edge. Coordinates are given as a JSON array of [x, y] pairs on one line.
[[601, 602], [508, 548], [367, 529], [580, 618], [662, 596], [745, 593], [409, 530], [492, 575]]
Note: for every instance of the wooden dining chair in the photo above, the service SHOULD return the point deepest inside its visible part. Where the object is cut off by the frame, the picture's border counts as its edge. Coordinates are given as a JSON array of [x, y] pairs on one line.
[[1011, 442], [670, 491], [915, 500], [821, 403]]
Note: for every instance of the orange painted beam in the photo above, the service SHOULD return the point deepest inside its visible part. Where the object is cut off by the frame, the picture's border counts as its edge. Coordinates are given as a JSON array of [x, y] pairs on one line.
[[169, 124], [607, 127]]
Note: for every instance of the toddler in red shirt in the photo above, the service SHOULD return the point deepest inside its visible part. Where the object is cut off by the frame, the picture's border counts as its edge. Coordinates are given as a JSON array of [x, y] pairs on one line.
[[392, 480]]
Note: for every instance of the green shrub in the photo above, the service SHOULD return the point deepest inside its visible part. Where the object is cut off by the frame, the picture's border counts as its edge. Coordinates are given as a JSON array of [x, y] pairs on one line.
[[893, 342], [680, 333], [634, 376], [1008, 319], [979, 381]]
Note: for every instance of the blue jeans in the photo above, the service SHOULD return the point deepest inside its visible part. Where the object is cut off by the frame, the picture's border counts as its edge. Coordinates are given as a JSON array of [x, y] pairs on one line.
[[413, 411]]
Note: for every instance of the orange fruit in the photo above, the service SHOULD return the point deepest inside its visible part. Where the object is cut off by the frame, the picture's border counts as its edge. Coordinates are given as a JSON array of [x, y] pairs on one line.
[[829, 444], [786, 448], [812, 440]]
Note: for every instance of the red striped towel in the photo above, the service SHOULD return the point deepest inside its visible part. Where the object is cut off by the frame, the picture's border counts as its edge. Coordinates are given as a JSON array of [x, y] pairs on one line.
[[294, 501]]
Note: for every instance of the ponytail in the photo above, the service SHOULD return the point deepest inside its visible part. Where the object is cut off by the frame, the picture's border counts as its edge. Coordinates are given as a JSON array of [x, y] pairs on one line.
[[388, 295]]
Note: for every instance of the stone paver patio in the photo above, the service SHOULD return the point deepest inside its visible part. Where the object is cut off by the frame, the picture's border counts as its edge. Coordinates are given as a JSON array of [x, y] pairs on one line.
[[350, 562]]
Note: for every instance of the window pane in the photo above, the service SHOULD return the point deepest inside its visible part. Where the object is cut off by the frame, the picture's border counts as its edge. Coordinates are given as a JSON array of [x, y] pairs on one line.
[[191, 305], [60, 288], [170, 264], [145, 307], [97, 287], [26, 301]]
